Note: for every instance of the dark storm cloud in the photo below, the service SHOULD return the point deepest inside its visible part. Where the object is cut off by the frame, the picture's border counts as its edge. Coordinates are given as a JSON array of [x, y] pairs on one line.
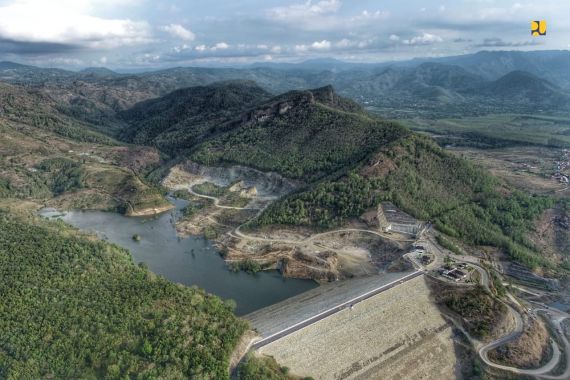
[[31, 48]]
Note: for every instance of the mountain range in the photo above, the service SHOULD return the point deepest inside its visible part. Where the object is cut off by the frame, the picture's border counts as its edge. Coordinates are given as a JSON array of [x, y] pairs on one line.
[[345, 159], [473, 84]]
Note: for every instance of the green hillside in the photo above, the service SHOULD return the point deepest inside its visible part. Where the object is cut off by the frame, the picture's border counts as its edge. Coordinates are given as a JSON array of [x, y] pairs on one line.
[[351, 161], [301, 134], [424, 180], [74, 307], [36, 109], [50, 158], [185, 117]]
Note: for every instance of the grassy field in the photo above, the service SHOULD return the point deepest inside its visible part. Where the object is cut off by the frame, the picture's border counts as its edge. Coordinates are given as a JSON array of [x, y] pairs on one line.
[[497, 130], [527, 168]]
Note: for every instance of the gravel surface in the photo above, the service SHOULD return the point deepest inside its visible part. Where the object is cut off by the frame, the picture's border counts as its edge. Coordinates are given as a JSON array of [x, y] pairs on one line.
[[282, 315], [397, 334]]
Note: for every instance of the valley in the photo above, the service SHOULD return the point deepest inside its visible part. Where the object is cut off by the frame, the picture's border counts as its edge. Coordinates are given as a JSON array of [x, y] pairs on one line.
[[351, 245]]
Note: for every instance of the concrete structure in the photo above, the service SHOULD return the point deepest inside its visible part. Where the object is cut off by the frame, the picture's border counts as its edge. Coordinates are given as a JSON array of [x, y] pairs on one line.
[[390, 218], [397, 334]]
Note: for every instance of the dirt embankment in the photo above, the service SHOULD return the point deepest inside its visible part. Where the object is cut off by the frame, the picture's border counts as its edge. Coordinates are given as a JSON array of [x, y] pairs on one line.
[[289, 259], [149, 211], [482, 316], [552, 233], [220, 208], [323, 257], [529, 351]]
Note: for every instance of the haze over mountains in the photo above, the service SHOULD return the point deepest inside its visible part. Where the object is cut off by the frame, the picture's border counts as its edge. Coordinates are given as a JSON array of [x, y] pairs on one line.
[[470, 84]]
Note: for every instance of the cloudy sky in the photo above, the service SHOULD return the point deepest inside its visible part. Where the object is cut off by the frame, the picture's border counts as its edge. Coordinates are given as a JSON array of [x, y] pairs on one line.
[[138, 34]]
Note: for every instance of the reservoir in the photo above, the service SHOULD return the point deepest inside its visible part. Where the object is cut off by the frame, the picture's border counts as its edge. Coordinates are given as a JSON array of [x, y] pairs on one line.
[[189, 261]]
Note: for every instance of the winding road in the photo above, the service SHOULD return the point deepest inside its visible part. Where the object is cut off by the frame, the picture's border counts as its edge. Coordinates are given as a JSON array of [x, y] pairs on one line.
[[483, 351], [217, 201], [237, 232]]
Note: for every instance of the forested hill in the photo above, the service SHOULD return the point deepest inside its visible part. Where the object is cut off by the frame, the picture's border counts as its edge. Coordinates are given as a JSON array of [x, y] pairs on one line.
[[36, 109], [186, 116], [423, 179], [300, 134], [77, 308], [304, 133], [525, 87]]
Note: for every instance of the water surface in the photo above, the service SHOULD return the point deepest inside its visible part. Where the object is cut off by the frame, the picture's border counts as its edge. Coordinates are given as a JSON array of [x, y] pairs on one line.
[[189, 261]]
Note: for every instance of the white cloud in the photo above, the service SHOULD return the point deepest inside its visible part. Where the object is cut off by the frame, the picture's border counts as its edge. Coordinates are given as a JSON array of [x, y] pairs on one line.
[[56, 61], [103, 60], [181, 48], [301, 48], [424, 39], [68, 22], [305, 10], [366, 15], [315, 46], [325, 6], [310, 15], [394, 37], [147, 58], [344, 43], [177, 30], [276, 49], [321, 45], [218, 46], [221, 46]]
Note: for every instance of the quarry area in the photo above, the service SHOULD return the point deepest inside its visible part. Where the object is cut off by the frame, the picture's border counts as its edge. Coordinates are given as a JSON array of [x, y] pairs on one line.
[[393, 302], [224, 199]]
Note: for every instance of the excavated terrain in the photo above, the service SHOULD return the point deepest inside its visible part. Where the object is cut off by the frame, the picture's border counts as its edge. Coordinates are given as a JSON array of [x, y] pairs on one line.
[[296, 252]]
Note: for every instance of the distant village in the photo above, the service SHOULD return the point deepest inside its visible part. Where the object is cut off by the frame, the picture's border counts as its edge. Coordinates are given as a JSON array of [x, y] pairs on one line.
[[560, 167]]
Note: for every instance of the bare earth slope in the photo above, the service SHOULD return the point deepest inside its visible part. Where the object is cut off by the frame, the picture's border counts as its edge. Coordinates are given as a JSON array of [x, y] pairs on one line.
[[398, 334]]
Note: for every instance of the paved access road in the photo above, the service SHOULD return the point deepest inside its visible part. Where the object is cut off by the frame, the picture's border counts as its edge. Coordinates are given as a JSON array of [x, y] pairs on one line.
[[350, 303], [483, 351], [557, 317]]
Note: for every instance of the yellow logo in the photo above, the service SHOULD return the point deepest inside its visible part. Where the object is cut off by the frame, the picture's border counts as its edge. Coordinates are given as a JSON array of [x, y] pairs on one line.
[[538, 28]]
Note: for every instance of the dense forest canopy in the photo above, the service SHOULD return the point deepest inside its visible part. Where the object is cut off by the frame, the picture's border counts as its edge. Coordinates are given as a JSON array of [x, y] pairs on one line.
[[424, 180], [74, 307], [303, 134]]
